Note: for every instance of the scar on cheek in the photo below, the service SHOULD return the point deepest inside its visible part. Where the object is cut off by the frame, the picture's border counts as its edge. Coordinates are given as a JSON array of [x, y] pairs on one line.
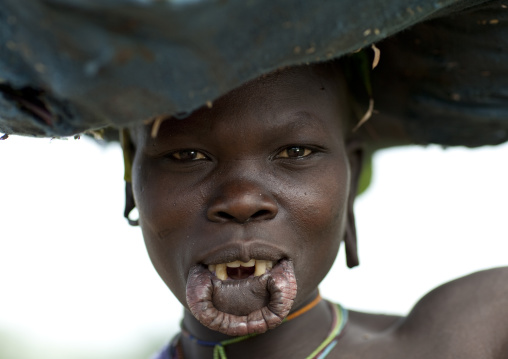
[[163, 234]]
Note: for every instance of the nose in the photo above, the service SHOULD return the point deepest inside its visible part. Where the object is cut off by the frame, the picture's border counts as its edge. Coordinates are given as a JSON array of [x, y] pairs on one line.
[[242, 202]]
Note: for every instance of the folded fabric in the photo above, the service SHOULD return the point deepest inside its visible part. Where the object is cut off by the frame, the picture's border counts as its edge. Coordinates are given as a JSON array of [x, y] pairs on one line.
[[67, 66]]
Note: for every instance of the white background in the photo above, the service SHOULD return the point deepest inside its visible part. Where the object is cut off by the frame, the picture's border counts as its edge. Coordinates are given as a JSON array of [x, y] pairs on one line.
[[73, 274]]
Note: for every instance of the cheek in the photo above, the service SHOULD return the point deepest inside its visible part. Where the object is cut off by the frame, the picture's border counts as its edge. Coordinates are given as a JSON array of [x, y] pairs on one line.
[[322, 206], [162, 210], [321, 220], [151, 199], [164, 202]]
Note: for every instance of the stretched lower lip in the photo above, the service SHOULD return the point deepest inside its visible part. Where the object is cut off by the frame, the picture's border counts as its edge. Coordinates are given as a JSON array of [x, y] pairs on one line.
[[239, 307]]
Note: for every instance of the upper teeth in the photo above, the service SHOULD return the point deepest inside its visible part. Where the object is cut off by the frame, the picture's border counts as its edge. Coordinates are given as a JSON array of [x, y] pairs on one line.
[[237, 264], [221, 271]]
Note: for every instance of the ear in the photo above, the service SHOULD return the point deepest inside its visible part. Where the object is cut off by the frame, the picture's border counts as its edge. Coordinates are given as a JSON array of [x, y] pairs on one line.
[[128, 157], [355, 150]]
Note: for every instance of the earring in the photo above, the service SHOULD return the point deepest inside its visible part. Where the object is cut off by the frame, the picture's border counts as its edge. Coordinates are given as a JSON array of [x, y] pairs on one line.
[[351, 245], [130, 204]]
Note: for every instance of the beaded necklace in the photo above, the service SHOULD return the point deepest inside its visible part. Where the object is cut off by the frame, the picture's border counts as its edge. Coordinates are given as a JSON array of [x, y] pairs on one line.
[[339, 321]]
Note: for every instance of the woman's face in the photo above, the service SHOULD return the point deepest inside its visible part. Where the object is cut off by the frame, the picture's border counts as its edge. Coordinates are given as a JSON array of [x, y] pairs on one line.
[[264, 175]]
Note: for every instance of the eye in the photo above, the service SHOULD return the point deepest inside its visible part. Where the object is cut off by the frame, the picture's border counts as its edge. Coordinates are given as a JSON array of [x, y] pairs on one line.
[[187, 155], [294, 152]]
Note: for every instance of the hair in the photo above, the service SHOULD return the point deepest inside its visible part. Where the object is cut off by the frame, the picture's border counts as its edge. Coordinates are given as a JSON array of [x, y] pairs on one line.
[[355, 69]]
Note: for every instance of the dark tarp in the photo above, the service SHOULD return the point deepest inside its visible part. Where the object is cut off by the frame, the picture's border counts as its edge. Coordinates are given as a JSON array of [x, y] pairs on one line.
[[67, 66]]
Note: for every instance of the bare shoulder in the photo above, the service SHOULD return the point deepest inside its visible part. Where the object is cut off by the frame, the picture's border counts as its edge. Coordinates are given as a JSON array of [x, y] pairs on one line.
[[469, 313], [486, 292]]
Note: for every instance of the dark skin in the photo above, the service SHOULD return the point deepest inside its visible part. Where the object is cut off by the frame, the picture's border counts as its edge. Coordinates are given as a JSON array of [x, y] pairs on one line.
[[270, 173]]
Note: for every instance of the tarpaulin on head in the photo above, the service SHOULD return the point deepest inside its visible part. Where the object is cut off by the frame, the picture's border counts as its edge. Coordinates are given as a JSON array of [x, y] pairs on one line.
[[67, 66]]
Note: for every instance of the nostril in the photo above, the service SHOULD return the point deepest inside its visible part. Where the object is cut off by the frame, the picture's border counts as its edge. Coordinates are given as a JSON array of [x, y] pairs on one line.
[[261, 214], [225, 215], [242, 207]]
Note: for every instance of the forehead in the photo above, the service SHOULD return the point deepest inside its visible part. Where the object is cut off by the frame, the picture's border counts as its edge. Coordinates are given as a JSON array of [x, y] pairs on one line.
[[306, 98]]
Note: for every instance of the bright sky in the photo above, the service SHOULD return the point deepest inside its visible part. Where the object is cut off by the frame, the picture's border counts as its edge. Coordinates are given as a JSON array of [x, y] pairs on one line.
[[73, 272]]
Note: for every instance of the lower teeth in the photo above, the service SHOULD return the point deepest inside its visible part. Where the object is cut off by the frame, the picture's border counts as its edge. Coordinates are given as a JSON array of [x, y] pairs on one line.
[[260, 268], [221, 272]]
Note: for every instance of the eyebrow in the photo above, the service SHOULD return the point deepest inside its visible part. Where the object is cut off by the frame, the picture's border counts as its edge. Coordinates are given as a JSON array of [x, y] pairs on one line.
[[184, 129], [294, 123], [304, 120]]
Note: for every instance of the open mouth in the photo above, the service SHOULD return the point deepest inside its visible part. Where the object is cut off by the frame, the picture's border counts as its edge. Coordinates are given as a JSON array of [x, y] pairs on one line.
[[241, 270], [238, 298]]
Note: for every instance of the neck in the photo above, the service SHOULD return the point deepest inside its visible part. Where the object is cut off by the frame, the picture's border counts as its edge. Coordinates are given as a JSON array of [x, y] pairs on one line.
[[296, 337]]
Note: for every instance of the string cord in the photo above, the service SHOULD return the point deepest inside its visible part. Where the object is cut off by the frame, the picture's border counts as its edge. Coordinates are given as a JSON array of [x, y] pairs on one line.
[[340, 317]]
